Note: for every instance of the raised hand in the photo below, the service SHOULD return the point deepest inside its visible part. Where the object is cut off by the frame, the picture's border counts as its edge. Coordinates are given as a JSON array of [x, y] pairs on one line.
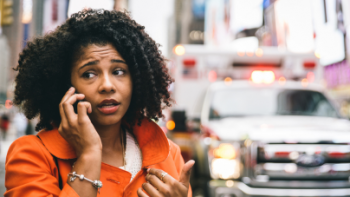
[[77, 129], [160, 184]]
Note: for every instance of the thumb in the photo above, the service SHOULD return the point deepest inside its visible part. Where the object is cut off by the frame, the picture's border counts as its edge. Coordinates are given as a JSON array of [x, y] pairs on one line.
[[186, 173]]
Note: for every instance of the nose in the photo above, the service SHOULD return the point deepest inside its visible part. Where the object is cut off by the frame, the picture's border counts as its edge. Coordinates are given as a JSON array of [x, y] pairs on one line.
[[106, 85]]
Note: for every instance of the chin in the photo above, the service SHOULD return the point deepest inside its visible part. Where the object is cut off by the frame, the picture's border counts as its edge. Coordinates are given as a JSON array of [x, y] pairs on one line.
[[107, 121]]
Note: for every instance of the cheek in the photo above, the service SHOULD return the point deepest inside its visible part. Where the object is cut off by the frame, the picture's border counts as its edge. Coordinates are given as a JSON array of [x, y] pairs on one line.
[[128, 91]]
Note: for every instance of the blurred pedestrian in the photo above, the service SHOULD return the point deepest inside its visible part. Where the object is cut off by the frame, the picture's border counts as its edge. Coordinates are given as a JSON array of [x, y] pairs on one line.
[[107, 62], [4, 125]]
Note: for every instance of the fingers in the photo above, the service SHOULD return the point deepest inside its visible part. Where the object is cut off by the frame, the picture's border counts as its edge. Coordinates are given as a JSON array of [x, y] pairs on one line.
[[84, 107], [150, 189], [68, 105], [62, 113], [186, 173], [158, 173], [68, 116], [168, 187], [69, 93], [155, 181], [141, 193]]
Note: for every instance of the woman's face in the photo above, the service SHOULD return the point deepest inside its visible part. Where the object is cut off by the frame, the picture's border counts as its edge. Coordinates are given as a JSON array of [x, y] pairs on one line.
[[101, 74]]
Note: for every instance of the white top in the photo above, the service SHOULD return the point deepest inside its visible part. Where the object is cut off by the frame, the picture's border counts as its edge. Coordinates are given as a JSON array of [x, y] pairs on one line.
[[133, 156]]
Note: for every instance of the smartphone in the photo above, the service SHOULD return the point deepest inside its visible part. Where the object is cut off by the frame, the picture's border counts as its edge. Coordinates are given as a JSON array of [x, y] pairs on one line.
[[75, 105]]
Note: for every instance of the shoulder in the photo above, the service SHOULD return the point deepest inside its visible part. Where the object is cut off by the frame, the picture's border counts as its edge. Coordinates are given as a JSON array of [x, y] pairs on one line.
[[27, 148], [30, 169], [26, 142]]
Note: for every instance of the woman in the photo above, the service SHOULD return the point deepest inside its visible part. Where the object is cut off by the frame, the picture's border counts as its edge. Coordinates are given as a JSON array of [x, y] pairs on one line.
[[95, 82]]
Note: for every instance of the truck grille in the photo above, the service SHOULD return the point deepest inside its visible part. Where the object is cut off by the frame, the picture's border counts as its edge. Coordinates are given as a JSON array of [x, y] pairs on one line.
[[301, 162]]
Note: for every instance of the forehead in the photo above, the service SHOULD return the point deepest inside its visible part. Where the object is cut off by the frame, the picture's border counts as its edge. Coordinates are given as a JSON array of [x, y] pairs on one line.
[[98, 51]]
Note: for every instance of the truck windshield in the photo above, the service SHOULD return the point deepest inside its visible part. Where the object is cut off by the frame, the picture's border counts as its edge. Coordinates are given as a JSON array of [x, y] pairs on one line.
[[269, 102]]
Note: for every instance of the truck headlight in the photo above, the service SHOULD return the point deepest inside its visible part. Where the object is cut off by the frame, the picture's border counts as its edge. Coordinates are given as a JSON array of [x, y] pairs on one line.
[[225, 151], [224, 162], [225, 168]]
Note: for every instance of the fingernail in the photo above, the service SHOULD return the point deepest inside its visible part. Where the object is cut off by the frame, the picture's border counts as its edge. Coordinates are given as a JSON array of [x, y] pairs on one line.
[[71, 88], [148, 169]]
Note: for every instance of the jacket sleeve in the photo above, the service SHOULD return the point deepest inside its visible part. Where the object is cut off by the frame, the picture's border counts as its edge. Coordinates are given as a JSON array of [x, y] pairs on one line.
[[179, 161], [30, 171]]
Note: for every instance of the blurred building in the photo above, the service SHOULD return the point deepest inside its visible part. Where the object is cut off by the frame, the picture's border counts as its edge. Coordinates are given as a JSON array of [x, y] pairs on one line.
[[14, 35], [9, 45]]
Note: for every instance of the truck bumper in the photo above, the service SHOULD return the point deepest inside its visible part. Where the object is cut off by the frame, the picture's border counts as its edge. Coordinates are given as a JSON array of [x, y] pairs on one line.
[[222, 188]]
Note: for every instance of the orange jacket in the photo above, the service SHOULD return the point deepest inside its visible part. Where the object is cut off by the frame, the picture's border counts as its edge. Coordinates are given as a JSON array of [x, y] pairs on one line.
[[31, 169]]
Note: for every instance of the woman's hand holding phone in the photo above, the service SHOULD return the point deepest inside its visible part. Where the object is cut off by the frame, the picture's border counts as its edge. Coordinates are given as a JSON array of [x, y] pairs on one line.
[[77, 128]]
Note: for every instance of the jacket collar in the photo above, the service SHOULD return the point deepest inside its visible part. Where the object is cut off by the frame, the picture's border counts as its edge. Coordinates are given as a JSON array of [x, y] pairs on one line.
[[153, 143]]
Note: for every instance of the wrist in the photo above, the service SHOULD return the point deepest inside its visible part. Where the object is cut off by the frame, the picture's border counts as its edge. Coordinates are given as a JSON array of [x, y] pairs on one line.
[[91, 154]]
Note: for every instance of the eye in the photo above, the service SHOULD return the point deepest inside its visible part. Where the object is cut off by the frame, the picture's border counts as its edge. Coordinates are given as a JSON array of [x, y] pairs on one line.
[[119, 72], [88, 75]]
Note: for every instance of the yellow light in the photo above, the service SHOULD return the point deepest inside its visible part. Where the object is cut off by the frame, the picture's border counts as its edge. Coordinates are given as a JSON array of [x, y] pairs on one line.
[[259, 52], [268, 76], [6, 12], [179, 50], [229, 183], [225, 169], [282, 80], [317, 54], [228, 79], [257, 76], [170, 125], [225, 151], [304, 82]]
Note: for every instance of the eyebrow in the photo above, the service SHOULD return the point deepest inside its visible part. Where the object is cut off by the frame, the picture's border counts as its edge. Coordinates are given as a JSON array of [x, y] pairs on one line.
[[95, 62]]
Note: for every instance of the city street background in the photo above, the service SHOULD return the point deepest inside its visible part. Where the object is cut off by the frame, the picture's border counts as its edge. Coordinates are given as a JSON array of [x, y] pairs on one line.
[[262, 87]]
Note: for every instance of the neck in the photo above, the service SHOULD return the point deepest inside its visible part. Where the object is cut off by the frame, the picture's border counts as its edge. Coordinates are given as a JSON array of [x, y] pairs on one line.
[[110, 137]]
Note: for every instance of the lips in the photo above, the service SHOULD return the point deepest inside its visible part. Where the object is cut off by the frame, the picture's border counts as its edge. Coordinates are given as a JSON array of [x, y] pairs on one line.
[[108, 106]]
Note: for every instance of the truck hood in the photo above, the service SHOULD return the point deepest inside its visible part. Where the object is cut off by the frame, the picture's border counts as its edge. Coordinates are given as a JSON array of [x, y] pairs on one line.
[[282, 129]]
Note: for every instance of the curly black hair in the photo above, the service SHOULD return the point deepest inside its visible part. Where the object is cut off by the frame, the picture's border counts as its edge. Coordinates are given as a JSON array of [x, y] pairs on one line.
[[45, 66]]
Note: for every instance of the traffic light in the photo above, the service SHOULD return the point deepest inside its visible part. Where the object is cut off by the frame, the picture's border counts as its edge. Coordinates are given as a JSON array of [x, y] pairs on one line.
[[6, 12]]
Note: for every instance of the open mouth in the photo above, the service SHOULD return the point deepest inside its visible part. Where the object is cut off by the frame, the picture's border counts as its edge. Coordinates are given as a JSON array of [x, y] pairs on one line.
[[108, 106]]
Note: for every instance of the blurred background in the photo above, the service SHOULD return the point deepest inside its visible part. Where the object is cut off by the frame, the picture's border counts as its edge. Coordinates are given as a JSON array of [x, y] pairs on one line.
[[262, 87]]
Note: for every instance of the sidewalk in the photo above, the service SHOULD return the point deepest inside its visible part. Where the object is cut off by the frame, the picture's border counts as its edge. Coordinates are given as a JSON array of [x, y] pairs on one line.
[[11, 136]]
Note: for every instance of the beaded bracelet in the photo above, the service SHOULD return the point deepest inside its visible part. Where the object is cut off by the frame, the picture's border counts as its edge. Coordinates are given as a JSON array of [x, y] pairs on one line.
[[96, 183]]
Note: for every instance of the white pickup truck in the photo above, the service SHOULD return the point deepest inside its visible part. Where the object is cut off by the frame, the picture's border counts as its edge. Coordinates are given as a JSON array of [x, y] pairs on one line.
[[279, 139]]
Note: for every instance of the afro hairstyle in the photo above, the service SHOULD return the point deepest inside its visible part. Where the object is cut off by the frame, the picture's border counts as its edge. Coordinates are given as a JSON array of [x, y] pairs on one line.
[[44, 66]]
